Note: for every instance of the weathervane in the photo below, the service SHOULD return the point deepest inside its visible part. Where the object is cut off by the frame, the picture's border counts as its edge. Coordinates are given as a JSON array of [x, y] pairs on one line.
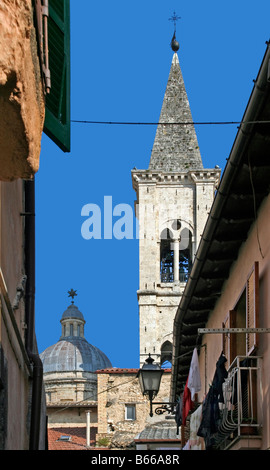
[[174, 43], [72, 293]]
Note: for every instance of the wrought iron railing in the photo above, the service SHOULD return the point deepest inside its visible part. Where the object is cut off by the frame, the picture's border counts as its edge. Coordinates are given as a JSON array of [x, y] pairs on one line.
[[242, 398]]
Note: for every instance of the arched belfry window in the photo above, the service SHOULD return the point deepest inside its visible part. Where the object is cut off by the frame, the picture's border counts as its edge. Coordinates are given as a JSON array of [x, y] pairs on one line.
[[166, 256], [175, 253], [166, 354], [185, 255]]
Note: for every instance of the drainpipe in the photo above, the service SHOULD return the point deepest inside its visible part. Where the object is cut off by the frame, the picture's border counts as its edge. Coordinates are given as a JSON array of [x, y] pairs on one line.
[[37, 379]]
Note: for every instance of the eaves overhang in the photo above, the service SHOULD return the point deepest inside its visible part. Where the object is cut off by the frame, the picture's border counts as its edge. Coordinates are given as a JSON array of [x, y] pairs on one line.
[[244, 185]]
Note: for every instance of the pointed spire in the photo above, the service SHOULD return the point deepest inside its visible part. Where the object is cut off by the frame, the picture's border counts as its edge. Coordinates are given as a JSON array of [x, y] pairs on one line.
[[176, 146]]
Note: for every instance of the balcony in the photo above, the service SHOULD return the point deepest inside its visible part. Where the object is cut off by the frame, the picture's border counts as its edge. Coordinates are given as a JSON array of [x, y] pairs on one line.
[[240, 427]]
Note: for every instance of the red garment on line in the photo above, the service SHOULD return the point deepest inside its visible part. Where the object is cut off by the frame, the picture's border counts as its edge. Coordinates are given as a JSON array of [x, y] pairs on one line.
[[187, 403]]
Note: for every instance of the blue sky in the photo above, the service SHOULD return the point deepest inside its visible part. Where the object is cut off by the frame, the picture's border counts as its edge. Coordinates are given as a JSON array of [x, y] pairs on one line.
[[120, 62]]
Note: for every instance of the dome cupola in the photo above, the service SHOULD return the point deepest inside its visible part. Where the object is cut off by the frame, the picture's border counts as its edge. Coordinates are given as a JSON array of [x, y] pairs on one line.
[[72, 320], [73, 352]]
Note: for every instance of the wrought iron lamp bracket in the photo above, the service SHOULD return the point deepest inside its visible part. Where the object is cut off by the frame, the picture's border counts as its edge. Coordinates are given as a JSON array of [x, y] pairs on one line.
[[163, 408]]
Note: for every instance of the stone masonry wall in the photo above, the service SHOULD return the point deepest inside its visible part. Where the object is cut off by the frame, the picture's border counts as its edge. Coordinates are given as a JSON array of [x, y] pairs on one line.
[[22, 100], [163, 198], [119, 388]]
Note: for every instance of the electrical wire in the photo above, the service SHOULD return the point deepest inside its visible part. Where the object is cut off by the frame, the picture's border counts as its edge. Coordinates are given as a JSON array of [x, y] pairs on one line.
[[91, 395], [189, 123]]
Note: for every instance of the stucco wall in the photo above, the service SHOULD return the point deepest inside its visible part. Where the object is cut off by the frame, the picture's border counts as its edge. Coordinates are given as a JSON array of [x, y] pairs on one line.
[[259, 236], [14, 430]]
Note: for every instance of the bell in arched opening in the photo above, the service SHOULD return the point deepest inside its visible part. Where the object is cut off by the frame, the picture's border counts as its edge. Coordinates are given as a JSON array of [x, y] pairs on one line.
[[166, 256]]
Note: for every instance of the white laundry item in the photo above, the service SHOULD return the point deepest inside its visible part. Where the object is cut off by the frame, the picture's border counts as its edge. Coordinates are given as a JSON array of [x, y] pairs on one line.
[[194, 379]]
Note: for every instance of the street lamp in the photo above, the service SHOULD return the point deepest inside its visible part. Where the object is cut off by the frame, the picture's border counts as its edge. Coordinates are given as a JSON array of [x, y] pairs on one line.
[[149, 379]]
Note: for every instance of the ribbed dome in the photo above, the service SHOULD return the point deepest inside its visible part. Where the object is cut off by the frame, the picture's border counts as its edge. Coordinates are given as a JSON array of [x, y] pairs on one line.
[[72, 312], [73, 354]]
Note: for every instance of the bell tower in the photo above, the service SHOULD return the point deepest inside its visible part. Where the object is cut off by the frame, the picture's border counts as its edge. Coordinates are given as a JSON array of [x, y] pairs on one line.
[[174, 196]]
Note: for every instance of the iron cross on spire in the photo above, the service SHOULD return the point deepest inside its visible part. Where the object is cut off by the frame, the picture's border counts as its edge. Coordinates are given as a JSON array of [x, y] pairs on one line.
[[174, 43], [72, 293], [175, 18]]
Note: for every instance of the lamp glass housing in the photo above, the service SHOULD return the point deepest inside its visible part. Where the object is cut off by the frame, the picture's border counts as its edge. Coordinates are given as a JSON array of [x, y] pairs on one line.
[[149, 378]]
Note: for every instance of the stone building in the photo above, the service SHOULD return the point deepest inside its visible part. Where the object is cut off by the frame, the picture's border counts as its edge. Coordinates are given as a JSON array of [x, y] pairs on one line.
[[123, 412], [69, 370], [174, 196], [79, 379]]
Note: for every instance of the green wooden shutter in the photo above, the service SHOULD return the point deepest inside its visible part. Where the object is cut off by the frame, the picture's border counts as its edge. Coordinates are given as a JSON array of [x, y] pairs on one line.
[[57, 117]]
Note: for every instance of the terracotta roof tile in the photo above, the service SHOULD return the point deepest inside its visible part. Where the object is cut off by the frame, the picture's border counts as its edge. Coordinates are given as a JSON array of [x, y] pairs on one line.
[[116, 370], [77, 439]]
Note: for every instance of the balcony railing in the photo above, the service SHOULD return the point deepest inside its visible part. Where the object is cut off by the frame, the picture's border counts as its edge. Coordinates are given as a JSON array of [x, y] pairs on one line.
[[242, 398]]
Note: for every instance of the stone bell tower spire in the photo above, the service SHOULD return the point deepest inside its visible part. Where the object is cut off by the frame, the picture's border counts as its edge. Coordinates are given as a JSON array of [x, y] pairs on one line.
[[176, 146], [174, 196]]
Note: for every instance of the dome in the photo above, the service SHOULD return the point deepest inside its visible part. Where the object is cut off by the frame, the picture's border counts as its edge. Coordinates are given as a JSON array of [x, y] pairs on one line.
[[73, 354], [72, 312]]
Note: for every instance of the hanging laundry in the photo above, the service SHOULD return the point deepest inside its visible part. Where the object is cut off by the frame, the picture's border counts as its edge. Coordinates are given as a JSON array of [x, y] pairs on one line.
[[210, 408], [187, 403], [194, 379], [179, 413], [220, 375], [196, 442]]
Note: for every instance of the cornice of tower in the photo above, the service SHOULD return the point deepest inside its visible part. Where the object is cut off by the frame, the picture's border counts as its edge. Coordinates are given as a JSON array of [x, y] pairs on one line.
[[148, 177]]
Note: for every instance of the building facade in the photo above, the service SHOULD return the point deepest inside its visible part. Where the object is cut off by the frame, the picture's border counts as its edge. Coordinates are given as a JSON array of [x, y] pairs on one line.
[[174, 196], [22, 103], [25, 85]]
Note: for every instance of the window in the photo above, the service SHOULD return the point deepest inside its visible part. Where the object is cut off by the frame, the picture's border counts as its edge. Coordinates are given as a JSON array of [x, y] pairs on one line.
[[130, 412], [252, 307], [244, 315], [166, 257], [175, 254], [229, 339], [166, 354]]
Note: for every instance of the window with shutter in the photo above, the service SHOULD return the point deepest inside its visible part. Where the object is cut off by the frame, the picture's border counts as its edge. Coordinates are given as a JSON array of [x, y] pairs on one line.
[[229, 339], [244, 315], [252, 310], [57, 117]]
